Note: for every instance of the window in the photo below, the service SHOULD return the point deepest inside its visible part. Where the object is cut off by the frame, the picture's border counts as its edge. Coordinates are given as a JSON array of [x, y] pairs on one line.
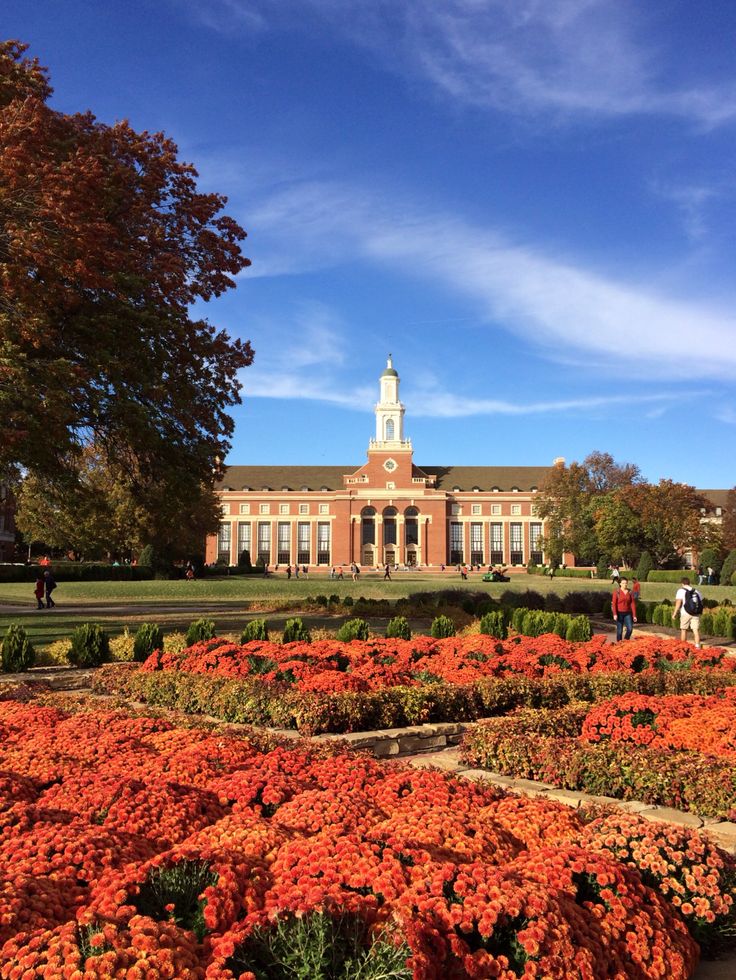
[[223, 543], [389, 530], [533, 510], [390, 486], [535, 543], [495, 509], [323, 543], [411, 525], [303, 508], [368, 528], [390, 465], [516, 546], [264, 508], [283, 508], [475, 509], [497, 544], [476, 544], [303, 543], [324, 508], [516, 508], [243, 538], [283, 551], [264, 543], [389, 429], [455, 510], [245, 508], [456, 543], [719, 512]]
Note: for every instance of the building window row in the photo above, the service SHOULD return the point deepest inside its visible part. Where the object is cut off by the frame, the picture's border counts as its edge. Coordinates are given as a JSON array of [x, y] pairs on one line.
[[476, 510], [264, 532], [285, 509]]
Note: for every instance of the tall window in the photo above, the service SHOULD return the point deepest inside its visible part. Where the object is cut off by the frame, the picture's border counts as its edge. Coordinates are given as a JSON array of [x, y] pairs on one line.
[[223, 543], [411, 526], [323, 543], [264, 543], [497, 544], [389, 429], [368, 526], [456, 543], [516, 545], [283, 552], [535, 543], [476, 544], [389, 527], [303, 543], [243, 538]]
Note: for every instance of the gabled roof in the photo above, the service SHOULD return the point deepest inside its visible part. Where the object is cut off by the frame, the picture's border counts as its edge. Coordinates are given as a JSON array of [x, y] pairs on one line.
[[488, 477], [719, 498]]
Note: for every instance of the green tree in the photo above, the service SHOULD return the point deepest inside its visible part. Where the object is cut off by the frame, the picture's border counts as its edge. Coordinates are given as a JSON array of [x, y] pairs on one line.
[[105, 245], [618, 528]]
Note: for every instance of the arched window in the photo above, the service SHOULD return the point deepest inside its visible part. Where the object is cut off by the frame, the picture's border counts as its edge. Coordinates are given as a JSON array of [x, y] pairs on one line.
[[368, 526], [389, 525], [411, 525], [389, 429]]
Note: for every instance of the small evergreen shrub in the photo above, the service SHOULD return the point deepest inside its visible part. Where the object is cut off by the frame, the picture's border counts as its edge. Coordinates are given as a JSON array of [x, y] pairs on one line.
[[442, 626], [602, 567], [711, 558], [17, 652], [517, 619], [322, 600], [200, 629], [398, 628], [578, 629], [494, 624], [256, 629], [244, 562], [706, 623], [122, 647], [90, 646], [722, 621], [147, 557], [347, 601], [354, 629], [645, 566], [295, 630], [728, 568], [149, 637], [334, 599]]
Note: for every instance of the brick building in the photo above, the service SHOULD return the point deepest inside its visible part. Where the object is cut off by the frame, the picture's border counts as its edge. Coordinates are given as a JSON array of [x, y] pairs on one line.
[[389, 509], [7, 524]]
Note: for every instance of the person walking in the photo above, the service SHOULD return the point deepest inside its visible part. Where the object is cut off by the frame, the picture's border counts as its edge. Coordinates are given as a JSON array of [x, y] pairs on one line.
[[615, 574], [39, 590], [49, 583], [623, 606], [288, 572], [689, 605], [387, 572], [636, 589]]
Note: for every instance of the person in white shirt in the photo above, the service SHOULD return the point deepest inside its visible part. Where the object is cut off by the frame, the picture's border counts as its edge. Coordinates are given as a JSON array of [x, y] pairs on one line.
[[688, 621]]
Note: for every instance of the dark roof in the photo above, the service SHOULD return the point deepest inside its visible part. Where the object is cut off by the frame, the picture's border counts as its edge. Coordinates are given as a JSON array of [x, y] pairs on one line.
[[316, 477], [719, 498], [488, 477], [277, 477]]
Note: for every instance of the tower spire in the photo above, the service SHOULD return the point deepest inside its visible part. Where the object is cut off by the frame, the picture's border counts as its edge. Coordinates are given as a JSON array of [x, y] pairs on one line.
[[389, 410]]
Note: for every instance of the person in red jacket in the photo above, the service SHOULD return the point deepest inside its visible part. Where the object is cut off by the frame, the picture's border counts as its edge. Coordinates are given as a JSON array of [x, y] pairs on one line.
[[623, 606]]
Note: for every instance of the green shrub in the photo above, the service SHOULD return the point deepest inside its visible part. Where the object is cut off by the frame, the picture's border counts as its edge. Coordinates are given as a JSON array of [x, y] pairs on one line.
[[296, 630], [147, 557], [354, 629], [17, 652], [256, 629], [200, 629], [601, 569], [711, 558], [728, 569], [334, 599], [398, 628], [645, 566], [244, 561], [347, 601], [494, 624], [722, 621], [517, 619], [148, 637], [578, 629], [442, 626], [674, 575], [706, 623], [90, 646], [322, 600]]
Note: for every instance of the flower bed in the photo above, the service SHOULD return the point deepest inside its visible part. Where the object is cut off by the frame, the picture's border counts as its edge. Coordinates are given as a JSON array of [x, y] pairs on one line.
[[135, 848], [357, 686], [671, 750]]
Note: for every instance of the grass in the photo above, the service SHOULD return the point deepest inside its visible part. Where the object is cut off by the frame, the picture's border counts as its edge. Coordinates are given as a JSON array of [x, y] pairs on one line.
[[232, 601]]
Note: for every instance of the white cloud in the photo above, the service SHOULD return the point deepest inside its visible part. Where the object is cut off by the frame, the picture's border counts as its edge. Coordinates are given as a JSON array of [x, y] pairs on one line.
[[559, 304], [565, 57]]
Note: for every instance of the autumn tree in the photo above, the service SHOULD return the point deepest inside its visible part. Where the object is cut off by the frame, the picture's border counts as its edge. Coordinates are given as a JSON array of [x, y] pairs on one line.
[[105, 245], [728, 528], [670, 517]]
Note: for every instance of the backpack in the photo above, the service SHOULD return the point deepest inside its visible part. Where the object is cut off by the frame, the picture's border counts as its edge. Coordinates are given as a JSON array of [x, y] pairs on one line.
[[693, 602]]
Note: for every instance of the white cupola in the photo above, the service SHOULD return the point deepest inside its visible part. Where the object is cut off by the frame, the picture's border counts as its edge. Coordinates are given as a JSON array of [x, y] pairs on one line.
[[389, 412]]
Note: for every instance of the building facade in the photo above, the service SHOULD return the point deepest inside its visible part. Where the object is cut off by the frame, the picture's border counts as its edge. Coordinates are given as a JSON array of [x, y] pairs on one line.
[[389, 510]]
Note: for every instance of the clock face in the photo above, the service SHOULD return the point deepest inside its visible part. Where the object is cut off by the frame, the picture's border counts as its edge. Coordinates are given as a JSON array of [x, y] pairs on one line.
[[390, 465]]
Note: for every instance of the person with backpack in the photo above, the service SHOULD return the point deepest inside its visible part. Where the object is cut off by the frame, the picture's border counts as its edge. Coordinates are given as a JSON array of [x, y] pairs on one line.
[[623, 607], [49, 585], [689, 604]]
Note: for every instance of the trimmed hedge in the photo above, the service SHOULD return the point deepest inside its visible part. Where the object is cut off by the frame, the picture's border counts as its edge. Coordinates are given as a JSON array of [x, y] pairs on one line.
[[684, 780], [673, 575], [254, 702], [73, 571]]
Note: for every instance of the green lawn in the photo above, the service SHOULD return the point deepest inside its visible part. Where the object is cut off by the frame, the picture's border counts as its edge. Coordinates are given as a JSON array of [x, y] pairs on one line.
[[231, 601]]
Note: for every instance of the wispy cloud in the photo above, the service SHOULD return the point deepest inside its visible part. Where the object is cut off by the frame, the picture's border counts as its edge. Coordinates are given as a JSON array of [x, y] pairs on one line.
[[559, 304], [571, 58]]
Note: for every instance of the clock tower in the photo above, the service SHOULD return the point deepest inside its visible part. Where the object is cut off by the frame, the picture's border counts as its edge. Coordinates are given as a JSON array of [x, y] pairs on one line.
[[389, 413]]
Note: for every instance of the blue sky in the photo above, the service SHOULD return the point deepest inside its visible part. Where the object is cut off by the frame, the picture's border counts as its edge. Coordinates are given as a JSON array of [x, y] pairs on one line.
[[530, 203]]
